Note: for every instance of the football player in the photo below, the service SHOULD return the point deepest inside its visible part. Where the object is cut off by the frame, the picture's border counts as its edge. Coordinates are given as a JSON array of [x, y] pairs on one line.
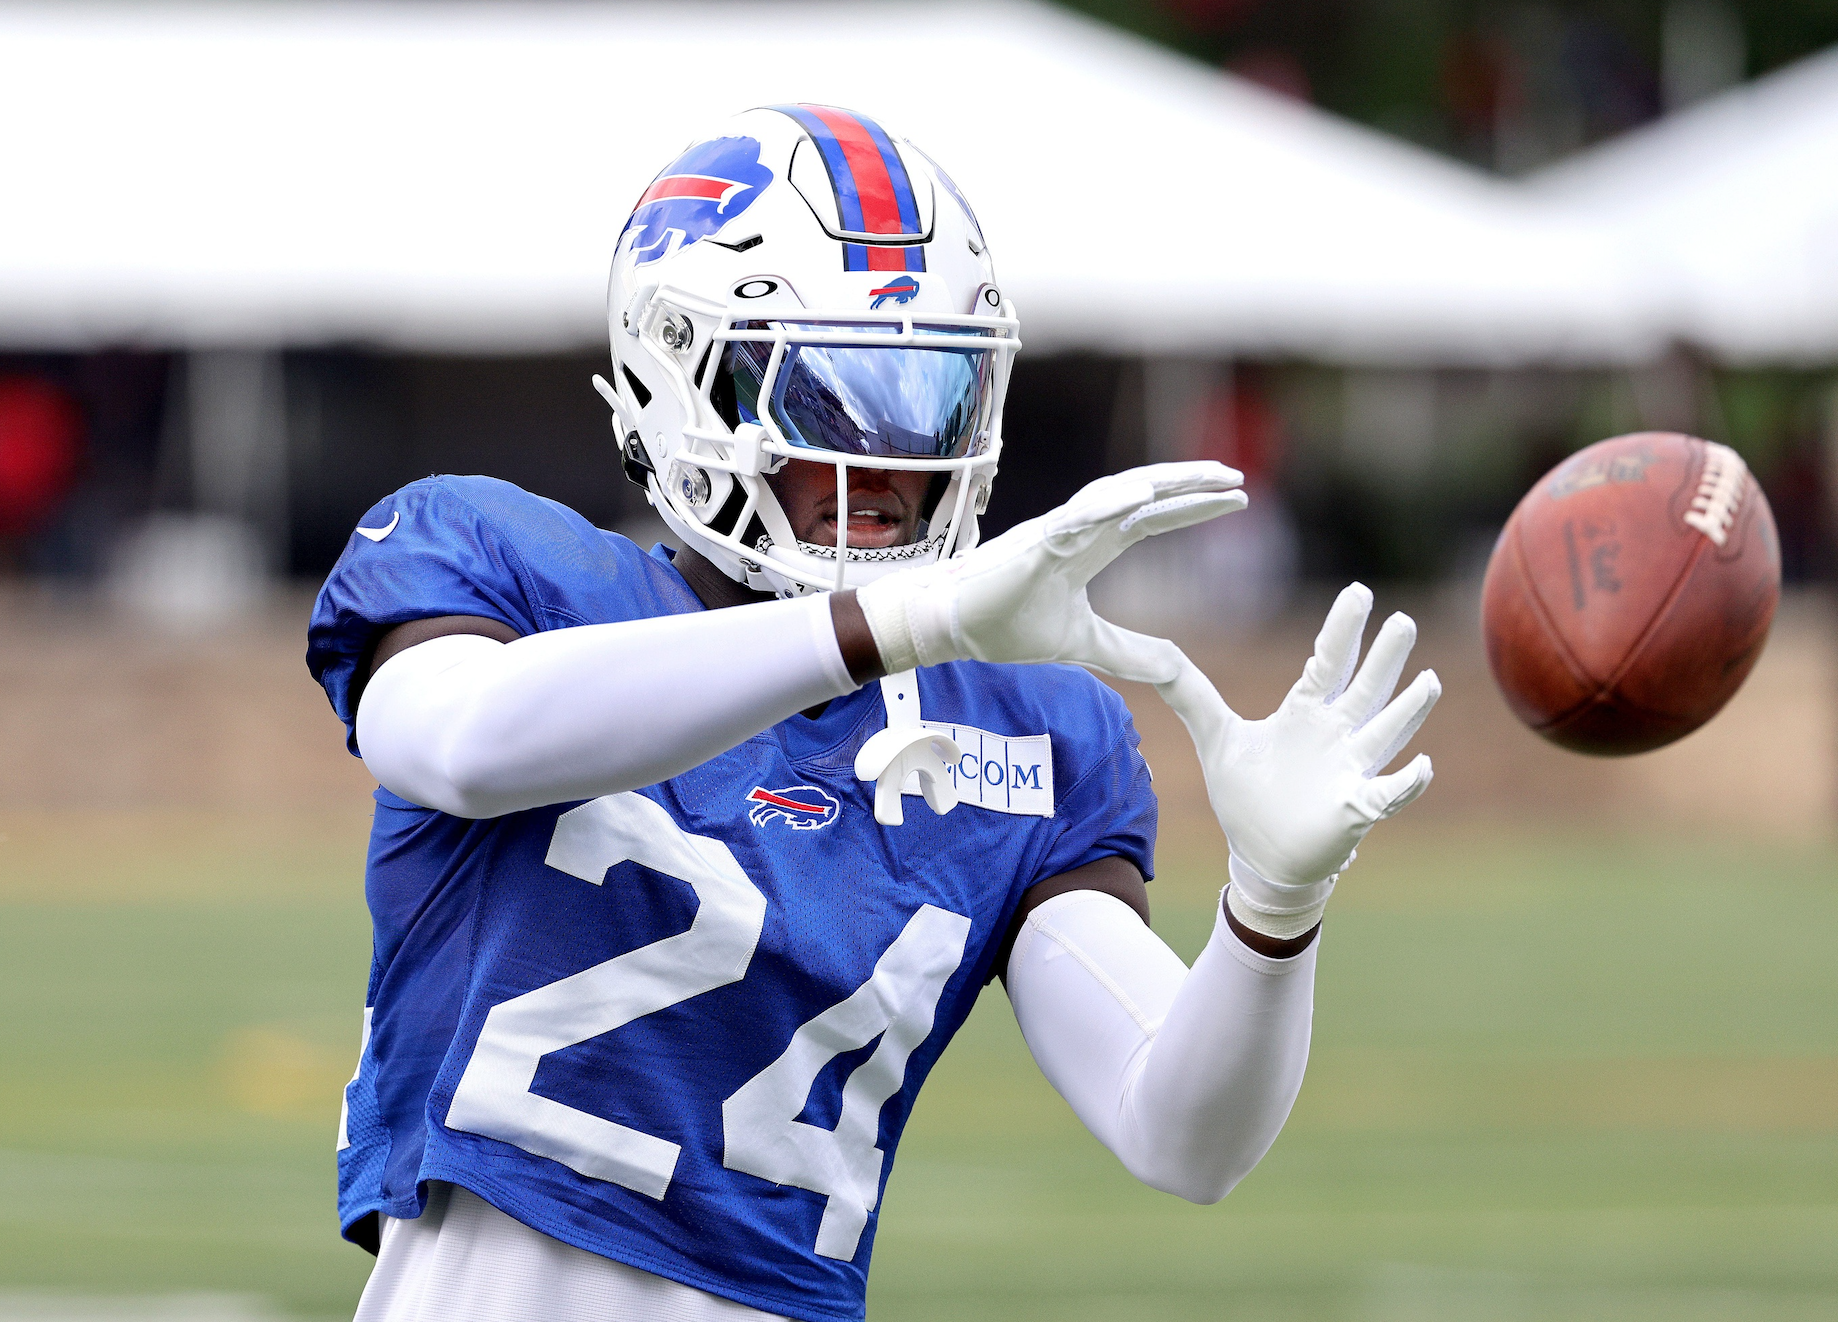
[[686, 867]]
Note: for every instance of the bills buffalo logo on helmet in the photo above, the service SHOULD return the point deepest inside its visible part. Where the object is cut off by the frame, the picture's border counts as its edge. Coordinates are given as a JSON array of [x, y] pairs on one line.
[[802, 807], [903, 290], [698, 193]]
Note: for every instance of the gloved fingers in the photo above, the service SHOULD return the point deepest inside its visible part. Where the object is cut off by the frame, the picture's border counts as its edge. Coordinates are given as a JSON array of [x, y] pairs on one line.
[[1377, 679], [1183, 478], [1137, 657], [1166, 515], [1120, 496], [1105, 501], [1381, 738], [1386, 796], [1336, 646]]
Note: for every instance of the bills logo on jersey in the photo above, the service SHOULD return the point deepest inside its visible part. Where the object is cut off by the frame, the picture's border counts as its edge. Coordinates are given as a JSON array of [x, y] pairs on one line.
[[903, 290], [698, 193], [802, 807]]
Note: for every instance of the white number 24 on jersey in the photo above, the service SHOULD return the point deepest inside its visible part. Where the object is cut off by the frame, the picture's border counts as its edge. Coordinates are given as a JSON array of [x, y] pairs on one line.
[[760, 1124]]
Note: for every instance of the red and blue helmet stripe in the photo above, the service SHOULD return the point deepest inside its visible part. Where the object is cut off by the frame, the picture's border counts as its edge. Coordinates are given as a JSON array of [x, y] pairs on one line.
[[874, 193]]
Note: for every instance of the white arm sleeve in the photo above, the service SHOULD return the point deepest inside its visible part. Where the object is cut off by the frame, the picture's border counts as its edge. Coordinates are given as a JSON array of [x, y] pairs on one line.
[[479, 728], [1187, 1075]]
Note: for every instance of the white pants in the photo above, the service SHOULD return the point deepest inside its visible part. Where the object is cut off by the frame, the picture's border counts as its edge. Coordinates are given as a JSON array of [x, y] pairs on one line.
[[462, 1260]]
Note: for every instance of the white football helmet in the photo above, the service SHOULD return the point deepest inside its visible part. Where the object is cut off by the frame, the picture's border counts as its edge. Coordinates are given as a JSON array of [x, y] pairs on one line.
[[800, 284]]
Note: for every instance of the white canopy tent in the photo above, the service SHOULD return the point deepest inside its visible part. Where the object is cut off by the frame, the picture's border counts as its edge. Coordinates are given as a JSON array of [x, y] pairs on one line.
[[453, 176], [1730, 212]]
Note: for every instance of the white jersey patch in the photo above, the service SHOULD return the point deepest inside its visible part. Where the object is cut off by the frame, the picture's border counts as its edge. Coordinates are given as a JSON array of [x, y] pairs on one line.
[[1004, 773]]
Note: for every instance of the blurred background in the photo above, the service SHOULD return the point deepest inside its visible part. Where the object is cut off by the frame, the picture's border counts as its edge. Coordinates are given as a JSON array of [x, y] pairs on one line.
[[262, 263]]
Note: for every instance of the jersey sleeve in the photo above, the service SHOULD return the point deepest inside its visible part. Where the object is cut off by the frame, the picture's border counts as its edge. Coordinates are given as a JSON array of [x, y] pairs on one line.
[[426, 551], [1109, 807]]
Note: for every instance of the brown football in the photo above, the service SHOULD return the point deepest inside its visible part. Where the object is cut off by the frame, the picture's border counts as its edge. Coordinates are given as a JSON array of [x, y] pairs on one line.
[[1631, 592]]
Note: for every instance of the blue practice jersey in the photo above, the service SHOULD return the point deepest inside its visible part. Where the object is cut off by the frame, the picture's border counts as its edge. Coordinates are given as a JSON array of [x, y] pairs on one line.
[[683, 1027]]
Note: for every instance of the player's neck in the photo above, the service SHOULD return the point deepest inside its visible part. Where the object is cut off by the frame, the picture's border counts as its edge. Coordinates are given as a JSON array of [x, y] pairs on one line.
[[713, 588]]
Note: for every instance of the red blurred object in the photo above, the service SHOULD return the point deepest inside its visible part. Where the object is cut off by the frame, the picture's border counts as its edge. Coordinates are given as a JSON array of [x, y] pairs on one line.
[[1274, 70], [1480, 83], [41, 432], [1239, 426], [1210, 15]]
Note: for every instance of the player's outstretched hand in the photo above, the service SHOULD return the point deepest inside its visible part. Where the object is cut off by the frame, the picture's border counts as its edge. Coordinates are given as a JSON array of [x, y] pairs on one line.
[[1021, 597], [1297, 791]]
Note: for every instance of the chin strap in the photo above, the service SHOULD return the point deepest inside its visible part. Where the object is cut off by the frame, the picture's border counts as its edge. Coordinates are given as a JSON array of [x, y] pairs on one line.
[[904, 751]]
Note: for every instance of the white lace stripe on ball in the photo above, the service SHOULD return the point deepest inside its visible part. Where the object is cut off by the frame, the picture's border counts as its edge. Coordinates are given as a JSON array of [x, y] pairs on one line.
[[1720, 492]]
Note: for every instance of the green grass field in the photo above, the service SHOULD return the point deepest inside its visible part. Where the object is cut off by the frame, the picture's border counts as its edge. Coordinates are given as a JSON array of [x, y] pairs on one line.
[[1554, 1077]]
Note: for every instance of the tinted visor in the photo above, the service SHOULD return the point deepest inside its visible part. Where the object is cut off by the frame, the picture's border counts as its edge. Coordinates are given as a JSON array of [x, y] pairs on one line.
[[898, 402]]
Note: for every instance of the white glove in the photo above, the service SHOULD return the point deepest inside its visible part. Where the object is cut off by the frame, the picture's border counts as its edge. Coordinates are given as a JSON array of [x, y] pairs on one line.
[[1021, 597], [1297, 791]]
